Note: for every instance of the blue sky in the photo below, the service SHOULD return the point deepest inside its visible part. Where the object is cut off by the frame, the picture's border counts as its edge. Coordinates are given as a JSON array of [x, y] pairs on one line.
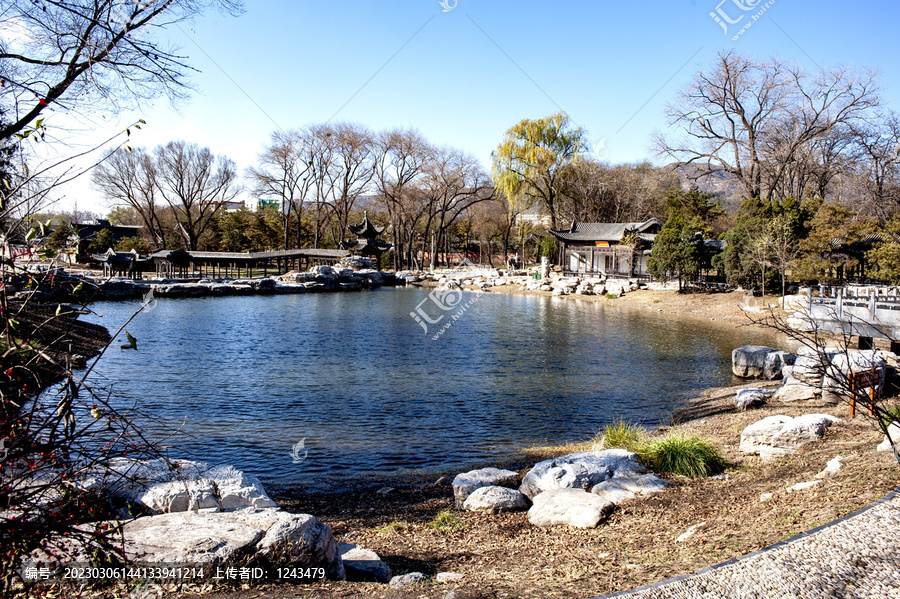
[[464, 76]]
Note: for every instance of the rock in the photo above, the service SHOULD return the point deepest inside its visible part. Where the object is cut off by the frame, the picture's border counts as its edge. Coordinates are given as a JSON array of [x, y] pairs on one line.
[[811, 365], [802, 430], [179, 496], [777, 436], [831, 467], [625, 486], [747, 399], [324, 270], [894, 433], [754, 362], [407, 581], [363, 565], [182, 485], [761, 432], [236, 490], [578, 470], [464, 484], [792, 391], [448, 577], [213, 538], [569, 507], [765, 497], [357, 263], [495, 499], [803, 486], [689, 533]]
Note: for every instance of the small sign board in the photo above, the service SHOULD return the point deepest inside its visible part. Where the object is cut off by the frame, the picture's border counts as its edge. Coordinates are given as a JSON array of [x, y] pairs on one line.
[[866, 378], [602, 244]]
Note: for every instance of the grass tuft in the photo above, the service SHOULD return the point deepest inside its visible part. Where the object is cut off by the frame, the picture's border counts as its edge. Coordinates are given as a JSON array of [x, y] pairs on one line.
[[445, 520], [392, 528], [622, 435], [687, 456]]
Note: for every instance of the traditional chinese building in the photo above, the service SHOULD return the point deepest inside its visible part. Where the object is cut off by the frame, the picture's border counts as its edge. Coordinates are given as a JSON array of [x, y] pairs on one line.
[[366, 243], [607, 249]]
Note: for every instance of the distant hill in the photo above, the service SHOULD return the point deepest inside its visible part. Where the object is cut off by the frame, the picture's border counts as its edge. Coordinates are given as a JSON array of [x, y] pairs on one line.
[[724, 186]]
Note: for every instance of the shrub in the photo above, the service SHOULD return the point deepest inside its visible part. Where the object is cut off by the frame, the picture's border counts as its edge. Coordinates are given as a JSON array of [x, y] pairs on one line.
[[622, 434], [891, 415], [612, 296], [56, 431], [687, 456]]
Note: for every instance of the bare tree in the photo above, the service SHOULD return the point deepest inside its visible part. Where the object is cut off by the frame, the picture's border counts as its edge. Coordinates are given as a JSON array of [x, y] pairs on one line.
[[452, 182], [129, 179], [752, 119], [89, 54], [399, 159], [783, 247], [195, 184], [283, 171], [348, 173], [878, 141], [622, 193]]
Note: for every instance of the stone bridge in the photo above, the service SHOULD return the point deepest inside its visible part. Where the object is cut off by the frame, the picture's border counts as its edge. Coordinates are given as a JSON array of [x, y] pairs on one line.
[[872, 313]]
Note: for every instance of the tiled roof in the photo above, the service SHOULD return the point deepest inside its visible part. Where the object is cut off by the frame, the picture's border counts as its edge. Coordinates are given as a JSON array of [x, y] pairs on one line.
[[603, 231]]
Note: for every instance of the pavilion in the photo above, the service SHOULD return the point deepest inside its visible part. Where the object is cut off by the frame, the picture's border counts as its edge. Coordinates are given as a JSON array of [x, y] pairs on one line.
[[607, 249], [366, 243]]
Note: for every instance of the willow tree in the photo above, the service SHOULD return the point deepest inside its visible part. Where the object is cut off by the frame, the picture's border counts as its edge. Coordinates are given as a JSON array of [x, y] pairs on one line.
[[530, 162]]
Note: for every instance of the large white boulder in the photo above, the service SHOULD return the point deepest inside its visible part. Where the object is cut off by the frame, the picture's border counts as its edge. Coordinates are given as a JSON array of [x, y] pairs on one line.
[[793, 390], [569, 507], [181, 485], [625, 486], [777, 436], [465, 484], [236, 490], [760, 433], [582, 470], [495, 499], [213, 538], [180, 496], [759, 362]]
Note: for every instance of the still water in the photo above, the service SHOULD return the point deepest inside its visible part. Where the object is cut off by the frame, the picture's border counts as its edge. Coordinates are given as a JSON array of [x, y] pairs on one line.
[[373, 395]]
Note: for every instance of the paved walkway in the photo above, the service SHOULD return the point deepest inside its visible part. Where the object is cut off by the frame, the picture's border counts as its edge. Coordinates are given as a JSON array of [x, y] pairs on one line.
[[856, 556]]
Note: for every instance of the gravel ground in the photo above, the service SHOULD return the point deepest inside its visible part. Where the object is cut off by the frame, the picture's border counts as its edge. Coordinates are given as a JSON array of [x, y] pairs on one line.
[[858, 556]]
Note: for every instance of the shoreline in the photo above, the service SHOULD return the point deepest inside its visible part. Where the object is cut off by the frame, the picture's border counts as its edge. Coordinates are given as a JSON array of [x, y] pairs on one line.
[[635, 547], [506, 556]]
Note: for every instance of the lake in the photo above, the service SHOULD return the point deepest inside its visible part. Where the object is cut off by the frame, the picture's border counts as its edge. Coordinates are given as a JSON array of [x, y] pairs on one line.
[[373, 394]]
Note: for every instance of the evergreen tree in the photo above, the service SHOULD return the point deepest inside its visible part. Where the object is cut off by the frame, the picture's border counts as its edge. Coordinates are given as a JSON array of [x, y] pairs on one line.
[[679, 249]]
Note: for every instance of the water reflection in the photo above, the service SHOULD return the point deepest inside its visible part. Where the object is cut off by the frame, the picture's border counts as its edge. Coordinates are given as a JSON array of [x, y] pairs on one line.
[[356, 376]]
